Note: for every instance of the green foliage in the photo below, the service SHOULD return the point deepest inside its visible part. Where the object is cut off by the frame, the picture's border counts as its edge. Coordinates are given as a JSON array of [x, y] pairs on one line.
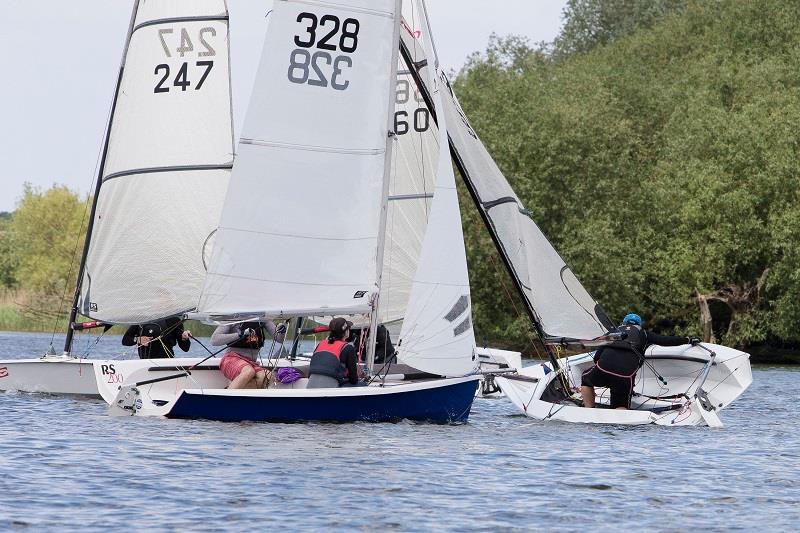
[[8, 257], [664, 162], [591, 23], [43, 233]]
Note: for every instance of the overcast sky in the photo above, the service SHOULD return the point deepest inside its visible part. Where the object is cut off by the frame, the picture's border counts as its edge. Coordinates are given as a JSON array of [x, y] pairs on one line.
[[59, 61]]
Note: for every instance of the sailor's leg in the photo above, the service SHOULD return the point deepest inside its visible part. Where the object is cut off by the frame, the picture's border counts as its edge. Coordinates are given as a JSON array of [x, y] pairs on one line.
[[244, 378], [260, 379], [621, 392], [587, 387], [587, 393]]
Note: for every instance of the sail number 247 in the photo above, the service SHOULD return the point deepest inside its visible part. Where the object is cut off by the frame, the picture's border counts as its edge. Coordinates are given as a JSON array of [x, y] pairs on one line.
[[326, 35], [180, 44]]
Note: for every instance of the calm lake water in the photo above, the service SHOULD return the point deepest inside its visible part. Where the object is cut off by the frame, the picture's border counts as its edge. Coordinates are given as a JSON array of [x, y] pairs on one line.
[[66, 465]]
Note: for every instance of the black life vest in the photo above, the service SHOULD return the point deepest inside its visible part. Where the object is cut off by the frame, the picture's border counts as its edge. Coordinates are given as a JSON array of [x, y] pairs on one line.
[[635, 340], [623, 357], [255, 341]]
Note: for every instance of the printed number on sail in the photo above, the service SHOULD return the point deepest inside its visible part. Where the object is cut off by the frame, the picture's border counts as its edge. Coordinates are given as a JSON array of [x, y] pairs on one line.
[[179, 44], [312, 68], [420, 119]]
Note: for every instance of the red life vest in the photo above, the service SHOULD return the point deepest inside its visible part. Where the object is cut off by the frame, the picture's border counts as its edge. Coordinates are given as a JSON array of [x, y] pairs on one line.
[[335, 348]]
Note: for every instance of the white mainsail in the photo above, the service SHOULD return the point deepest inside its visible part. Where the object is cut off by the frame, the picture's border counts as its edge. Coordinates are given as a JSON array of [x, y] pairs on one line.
[[560, 304], [300, 232], [168, 160], [437, 334]]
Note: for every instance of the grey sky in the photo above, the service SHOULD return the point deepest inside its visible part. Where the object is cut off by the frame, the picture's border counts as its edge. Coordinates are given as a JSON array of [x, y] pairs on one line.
[[59, 62]]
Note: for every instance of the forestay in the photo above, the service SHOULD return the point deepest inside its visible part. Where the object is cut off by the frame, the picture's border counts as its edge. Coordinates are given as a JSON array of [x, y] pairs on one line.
[[437, 333], [168, 160], [560, 305], [299, 232]]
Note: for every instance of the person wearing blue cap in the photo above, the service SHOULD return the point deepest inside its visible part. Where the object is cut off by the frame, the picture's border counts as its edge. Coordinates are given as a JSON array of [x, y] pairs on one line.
[[616, 364]]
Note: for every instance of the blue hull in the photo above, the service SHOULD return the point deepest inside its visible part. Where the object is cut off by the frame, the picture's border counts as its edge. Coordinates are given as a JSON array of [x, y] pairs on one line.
[[449, 403]]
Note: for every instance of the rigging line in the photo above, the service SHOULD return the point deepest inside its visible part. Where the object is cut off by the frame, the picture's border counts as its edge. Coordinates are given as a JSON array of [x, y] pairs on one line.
[[442, 345], [514, 304], [421, 312], [732, 372], [430, 299], [86, 205]]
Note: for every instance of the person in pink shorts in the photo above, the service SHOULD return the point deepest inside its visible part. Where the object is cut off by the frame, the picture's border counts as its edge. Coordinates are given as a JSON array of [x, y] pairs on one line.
[[240, 362]]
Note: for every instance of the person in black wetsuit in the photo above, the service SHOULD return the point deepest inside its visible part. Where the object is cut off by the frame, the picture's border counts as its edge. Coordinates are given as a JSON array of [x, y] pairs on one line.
[[157, 340], [615, 365], [384, 348], [335, 361]]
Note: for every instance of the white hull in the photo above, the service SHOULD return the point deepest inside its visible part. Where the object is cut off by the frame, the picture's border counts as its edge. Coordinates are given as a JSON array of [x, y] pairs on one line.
[[532, 389], [490, 359], [202, 395], [51, 375], [70, 375]]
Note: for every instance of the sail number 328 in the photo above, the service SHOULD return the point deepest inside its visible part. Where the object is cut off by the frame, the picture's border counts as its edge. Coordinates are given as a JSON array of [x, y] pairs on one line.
[[322, 67]]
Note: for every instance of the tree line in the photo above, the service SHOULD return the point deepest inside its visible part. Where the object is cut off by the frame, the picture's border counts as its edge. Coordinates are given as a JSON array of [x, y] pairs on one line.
[[656, 143]]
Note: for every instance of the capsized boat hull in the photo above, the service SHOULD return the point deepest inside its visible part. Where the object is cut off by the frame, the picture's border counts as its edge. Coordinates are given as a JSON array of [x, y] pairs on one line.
[[531, 390], [51, 375]]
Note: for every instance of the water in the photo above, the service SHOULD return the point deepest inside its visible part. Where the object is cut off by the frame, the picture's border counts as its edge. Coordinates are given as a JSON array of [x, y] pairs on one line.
[[66, 465]]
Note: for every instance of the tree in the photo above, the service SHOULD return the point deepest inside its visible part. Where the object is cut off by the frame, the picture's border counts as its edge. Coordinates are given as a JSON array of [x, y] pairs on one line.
[[591, 23], [8, 255], [46, 231]]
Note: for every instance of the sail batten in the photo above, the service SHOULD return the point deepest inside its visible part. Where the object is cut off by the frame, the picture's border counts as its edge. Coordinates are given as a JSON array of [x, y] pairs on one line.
[[167, 161]]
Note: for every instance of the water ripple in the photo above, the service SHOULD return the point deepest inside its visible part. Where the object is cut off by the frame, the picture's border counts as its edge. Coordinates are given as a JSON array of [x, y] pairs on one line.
[[66, 465]]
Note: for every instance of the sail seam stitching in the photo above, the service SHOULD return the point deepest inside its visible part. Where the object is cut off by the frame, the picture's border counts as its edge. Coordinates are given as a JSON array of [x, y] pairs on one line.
[[387, 14], [295, 236], [351, 284], [313, 148]]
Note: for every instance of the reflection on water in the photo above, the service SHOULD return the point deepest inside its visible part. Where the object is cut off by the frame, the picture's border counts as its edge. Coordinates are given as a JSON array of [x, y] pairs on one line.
[[66, 464]]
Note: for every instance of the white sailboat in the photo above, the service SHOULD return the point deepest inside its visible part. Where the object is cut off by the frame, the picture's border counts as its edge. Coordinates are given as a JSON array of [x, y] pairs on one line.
[[683, 385], [164, 171], [303, 231]]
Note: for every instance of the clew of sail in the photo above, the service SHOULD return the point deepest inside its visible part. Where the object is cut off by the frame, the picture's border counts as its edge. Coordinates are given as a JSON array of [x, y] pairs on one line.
[[300, 231], [558, 303], [166, 167], [437, 334]]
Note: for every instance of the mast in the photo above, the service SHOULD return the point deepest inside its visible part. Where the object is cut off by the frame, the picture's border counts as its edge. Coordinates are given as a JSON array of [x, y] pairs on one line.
[[81, 269], [387, 171], [414, 68]]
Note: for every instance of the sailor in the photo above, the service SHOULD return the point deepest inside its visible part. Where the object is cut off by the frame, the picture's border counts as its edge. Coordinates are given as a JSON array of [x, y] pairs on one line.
[[335, 362], [616, 364], [157, 340], [384, 348], [245, 340]]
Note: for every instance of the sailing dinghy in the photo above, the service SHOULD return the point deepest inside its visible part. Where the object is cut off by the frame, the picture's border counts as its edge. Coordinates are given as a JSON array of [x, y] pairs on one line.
[[165, 165], [303, 231], [681, 385]]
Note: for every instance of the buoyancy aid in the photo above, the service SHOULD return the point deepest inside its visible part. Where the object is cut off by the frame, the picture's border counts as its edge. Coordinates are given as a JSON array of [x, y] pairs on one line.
[[254, 341], [326, 359], [635, 339], [624, 357]]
